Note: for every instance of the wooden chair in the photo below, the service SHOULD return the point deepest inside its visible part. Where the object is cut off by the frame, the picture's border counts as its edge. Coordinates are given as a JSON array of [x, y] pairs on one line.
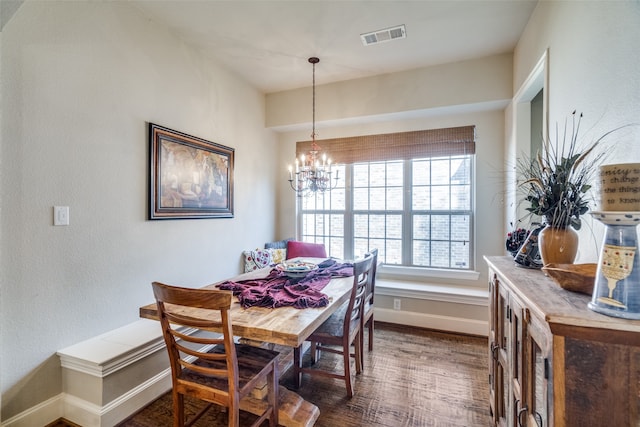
[[367, 314], [208, 366], [342, 330]]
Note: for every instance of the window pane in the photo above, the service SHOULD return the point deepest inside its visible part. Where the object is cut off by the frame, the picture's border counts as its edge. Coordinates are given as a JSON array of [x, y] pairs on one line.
[[459, 255], [460, 197], [420, 172], [361, 225], [377, 226], [308, 224], [361, 246], [337, 225], [308, 203], [361, 175], [336, 247], [461, 174], [440, 172], [338, 199], [319, 224], [377, 199], [440, 198], [393, 252], [378, 174], [394, 199], [421, 253], [395, 174], [421, 227], [440, 254], [440, 227], [394, 227], [421, 198], [460, 228], [361, 199]]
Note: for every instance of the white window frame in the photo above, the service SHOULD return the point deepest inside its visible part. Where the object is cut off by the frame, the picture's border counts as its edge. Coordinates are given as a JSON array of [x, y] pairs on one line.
[[401, 271]]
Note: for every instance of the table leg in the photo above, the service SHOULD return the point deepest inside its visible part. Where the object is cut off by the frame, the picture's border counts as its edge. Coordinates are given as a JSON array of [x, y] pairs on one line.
[[297, 366], [294, 411]]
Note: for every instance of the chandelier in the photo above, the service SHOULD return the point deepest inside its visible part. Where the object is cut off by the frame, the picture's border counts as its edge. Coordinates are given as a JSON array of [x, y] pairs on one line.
[[312, 171]]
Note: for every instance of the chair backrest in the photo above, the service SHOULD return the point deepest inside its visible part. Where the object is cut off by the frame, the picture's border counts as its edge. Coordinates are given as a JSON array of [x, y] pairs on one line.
[[183, 348], [371, 286], [297, 249], [362, 269]]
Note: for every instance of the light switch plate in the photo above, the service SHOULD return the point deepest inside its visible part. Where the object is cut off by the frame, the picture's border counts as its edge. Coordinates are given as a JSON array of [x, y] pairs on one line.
[[61, 215]]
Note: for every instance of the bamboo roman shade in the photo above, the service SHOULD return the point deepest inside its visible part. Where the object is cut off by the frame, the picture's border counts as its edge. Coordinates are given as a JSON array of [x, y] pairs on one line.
[[396, 146]]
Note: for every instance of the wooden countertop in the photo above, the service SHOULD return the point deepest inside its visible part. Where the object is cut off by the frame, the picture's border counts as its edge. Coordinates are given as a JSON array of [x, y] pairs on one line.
[[567, 312]]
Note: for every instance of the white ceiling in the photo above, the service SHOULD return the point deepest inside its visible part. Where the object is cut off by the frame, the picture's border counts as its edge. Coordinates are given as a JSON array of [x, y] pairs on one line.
[[268, 42]]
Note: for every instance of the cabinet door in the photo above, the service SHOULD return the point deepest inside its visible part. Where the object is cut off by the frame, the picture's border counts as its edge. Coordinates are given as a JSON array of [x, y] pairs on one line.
[[493, 346], [538, 375], [518, 357], [501, 355], [498, 345]]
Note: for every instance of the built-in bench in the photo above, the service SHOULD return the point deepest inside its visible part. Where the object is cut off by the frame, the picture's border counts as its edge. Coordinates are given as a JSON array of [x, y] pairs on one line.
[[109, 377]]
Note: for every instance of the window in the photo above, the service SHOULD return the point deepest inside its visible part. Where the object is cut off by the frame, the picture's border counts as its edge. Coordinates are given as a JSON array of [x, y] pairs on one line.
[[416, 211], [429, 227]]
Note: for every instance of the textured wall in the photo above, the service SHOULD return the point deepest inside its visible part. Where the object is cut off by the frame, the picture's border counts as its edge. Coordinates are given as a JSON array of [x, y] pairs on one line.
[[593, 68], [80, 80]]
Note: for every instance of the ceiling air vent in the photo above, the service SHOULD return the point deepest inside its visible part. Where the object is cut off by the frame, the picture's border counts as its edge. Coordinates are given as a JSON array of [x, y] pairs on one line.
[[385, 35]]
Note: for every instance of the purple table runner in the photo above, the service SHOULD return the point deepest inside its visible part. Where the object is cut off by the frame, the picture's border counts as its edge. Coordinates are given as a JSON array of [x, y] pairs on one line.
[[278, 290]]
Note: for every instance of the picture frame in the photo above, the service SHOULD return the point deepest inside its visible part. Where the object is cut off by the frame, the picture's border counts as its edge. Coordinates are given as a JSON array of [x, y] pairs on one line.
[[190, 177]]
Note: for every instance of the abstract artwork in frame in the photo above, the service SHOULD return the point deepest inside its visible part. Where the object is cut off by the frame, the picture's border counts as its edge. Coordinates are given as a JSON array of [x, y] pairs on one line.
[[189, 176]]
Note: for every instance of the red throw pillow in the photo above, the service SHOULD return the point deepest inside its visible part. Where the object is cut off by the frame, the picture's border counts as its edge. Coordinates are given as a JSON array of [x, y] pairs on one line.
[[303, 249]]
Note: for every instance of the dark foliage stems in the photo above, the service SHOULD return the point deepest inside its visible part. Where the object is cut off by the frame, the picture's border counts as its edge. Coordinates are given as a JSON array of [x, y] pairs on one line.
[[557, 180]]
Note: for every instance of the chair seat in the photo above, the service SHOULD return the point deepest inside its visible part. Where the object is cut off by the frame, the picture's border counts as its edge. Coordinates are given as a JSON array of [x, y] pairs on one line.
[[333, 327], [251, 362]]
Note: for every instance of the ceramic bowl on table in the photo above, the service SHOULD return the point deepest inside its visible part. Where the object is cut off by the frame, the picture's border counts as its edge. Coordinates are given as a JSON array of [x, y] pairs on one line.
[[296, 269]]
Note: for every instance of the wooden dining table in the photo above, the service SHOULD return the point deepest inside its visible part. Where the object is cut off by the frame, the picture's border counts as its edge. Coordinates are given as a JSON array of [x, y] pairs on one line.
[[287, 326]]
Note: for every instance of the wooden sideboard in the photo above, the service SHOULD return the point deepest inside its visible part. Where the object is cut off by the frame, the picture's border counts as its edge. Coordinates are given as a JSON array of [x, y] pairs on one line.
[[553, 361]]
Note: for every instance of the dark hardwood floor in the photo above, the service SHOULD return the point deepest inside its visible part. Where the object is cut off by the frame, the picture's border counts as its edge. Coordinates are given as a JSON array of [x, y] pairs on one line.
[[413, 378]]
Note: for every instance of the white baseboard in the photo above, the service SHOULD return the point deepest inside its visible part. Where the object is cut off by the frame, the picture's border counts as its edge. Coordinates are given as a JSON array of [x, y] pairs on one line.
[[39, 415], [433, 321], [88, 414]]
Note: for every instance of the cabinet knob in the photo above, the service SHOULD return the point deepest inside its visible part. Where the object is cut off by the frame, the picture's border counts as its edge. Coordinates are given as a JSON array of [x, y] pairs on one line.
[[494, 351]]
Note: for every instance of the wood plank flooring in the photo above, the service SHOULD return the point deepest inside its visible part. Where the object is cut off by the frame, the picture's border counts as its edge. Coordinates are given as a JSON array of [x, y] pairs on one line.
[[413, 378]]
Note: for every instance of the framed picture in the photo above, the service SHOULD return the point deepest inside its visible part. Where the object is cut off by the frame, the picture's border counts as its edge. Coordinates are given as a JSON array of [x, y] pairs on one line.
[[189, 176]]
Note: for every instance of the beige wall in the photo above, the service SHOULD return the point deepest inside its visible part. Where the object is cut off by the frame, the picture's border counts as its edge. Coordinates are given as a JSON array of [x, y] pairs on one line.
[[80, 81], [593, 65], [482, 82]]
